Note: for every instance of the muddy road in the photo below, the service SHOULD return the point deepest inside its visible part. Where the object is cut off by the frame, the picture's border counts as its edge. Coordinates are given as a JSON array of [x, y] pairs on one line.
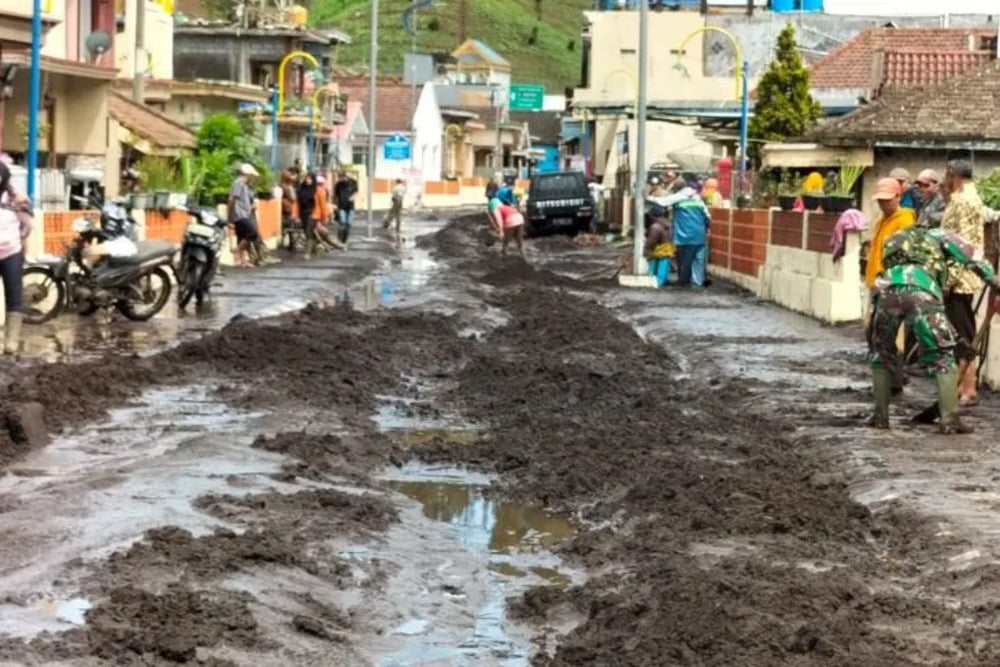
[[479, 461]]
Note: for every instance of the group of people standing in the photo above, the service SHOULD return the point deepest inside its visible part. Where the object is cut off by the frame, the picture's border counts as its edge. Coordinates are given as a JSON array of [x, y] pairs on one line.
[[308, 204], [677, 229], [923, 266]]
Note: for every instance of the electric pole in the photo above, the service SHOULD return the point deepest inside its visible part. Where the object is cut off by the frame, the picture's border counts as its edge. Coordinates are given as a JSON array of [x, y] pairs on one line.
[[138, 80], [372, 82], [638, 222]]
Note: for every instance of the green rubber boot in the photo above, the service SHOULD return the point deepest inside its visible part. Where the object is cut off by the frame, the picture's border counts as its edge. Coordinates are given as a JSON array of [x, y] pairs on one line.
[[881, 392], [947, 391]]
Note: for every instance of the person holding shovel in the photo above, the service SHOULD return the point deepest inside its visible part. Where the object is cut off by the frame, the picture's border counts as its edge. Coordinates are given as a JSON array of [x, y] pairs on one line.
[[917, 263]]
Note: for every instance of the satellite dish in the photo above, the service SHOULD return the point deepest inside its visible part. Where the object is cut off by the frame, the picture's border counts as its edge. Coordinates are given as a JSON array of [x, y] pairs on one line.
[[97, 43]]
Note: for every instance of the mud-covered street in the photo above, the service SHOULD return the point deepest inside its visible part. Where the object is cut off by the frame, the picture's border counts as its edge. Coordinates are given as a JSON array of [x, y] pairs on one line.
[[438, 456]]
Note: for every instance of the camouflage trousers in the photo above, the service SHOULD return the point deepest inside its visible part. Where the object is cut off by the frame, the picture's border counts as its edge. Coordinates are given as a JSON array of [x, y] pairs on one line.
[[925, 315]]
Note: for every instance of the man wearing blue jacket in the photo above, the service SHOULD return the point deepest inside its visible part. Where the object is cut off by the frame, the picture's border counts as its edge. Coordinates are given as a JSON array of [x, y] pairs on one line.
[[691, 223]]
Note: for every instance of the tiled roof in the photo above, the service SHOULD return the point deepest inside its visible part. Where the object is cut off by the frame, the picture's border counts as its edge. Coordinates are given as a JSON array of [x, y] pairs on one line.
[[148, 124], [924, 68], [961, 109], [850, 65], [395, 103]]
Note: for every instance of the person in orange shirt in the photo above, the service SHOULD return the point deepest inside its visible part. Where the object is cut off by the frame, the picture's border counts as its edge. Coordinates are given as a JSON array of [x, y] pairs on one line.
[[894, 219], [320, 216]]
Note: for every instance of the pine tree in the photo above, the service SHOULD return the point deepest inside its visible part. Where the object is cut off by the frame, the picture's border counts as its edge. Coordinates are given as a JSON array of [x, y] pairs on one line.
[[784, 106]]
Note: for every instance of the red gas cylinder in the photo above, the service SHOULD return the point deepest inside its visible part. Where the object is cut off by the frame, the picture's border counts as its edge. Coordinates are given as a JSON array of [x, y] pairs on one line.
[[725, 166]]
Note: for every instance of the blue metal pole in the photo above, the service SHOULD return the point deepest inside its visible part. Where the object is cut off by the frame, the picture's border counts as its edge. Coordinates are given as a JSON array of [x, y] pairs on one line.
[[34, 97], [744, 118], [274, 129]]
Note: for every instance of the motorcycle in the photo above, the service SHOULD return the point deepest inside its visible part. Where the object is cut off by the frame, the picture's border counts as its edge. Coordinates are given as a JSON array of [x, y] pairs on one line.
[[126, 283], [200, 253]]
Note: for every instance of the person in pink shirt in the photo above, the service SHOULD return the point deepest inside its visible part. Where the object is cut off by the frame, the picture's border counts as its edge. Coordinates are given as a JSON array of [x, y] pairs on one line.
[[513, 227], [15, 225]]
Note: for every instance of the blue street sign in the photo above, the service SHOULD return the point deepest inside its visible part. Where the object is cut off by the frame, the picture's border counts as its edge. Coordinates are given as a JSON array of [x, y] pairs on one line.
[[396, 147]]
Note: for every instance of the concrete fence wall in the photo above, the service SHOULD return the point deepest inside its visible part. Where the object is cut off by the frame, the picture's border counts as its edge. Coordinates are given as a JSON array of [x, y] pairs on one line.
[[785, 257]]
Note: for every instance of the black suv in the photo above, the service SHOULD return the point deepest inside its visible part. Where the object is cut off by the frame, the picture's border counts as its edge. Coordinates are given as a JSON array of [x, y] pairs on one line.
[[559, 202]]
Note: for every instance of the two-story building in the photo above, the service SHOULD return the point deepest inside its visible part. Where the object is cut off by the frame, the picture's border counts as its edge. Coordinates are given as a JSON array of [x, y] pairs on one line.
[[221, 68], [78, 65]]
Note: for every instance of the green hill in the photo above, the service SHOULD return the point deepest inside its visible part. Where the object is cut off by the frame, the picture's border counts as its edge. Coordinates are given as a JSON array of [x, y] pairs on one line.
[[541, 38]]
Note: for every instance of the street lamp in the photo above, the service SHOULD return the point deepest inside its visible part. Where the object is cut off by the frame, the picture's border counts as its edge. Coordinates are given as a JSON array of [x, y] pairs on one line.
[[742, 94]]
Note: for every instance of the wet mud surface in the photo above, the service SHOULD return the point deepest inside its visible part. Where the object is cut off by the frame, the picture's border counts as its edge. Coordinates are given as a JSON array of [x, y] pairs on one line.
[[492, 462]]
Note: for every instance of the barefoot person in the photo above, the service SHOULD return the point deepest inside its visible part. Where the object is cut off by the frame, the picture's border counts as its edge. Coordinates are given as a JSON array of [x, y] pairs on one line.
[[513, 228]]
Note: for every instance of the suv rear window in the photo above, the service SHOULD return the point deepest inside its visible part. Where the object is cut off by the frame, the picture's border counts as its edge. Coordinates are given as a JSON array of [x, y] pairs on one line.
[[557, 185]]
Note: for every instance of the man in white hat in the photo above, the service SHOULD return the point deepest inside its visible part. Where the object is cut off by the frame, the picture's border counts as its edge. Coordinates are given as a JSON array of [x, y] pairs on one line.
[[241, 212]]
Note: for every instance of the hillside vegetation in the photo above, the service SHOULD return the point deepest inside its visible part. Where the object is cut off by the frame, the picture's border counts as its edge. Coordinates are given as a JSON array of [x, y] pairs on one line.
[[541, 38]]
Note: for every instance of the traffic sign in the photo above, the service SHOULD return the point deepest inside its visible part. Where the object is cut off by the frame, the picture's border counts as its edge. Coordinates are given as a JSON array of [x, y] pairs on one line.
[[526, 97], [396, 147]]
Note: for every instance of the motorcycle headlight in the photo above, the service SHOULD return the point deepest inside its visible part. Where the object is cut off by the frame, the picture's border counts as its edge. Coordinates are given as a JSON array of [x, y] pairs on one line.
[[81, 225]]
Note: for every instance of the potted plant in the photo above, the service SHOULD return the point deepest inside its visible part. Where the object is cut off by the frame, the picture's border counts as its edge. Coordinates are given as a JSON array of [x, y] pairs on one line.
[[191, 178], [159, 177], [789, 188], [44, 130], [841, 195], [812, 200]]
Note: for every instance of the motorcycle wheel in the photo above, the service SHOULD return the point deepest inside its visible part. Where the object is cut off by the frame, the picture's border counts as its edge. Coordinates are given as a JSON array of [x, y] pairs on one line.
[[33, 293], [204, 285], [190, 285], [128, 308]]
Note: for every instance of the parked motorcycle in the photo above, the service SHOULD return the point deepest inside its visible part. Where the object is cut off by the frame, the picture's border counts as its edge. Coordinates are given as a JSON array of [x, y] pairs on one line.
[[137, 285], [200, 253]]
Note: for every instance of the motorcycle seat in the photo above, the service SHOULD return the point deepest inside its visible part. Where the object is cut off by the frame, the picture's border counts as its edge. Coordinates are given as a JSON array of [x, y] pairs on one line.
[[147, 250]]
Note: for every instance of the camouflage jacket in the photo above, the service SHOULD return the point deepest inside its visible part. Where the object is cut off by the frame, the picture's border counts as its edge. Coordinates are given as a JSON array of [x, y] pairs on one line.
[[924, 258]]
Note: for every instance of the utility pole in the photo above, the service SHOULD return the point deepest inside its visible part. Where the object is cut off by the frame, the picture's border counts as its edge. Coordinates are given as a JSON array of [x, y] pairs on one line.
[[34, 96], [638, 226], [463, 20], [138, 80], [497, 101], [372, 81]]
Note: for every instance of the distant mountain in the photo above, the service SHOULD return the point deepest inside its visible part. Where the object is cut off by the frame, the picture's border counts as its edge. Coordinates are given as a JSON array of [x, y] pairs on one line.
[[541, 38]]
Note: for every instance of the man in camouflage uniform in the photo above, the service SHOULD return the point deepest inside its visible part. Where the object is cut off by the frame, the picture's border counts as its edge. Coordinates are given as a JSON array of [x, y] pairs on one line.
[[917, 262]]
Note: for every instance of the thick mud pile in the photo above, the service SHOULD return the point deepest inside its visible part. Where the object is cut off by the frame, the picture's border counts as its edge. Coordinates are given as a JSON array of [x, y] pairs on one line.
[[718, 537], [713, 532]]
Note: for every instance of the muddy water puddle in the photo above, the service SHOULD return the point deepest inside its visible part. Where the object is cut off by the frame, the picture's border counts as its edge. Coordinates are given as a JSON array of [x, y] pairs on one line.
[[484, 550], [506, 548], [99, 488]]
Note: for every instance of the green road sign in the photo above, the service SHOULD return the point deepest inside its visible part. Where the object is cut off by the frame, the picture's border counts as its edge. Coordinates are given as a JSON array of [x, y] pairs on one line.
[[526, 97]]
